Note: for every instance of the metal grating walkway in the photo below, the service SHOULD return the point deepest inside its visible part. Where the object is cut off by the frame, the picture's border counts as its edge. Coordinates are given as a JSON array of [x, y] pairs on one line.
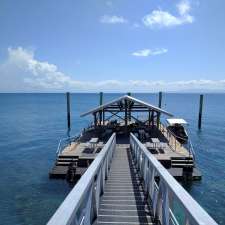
[[123, 201]]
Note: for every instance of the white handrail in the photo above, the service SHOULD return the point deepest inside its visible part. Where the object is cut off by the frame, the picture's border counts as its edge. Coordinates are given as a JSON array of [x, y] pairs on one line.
[[65, 142], [166, 190], [188, 146], [81, 204]]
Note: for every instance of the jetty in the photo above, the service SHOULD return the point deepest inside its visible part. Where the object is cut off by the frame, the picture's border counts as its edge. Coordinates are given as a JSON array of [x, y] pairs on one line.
[[126, 170], [123, 116]]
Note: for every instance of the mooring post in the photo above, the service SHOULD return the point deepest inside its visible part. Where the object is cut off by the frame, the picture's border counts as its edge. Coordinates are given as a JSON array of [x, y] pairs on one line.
[[100, 103], [200, 112], [159, 105], [68, 110], [100, 98]]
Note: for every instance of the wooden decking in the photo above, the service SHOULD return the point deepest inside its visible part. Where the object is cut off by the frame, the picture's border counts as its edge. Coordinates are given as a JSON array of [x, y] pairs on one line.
[[82, 153], [123, 201]]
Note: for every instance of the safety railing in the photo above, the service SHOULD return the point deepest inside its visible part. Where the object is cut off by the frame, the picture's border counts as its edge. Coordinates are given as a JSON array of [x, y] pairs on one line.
[[172, 140], [64, 142], [165, 192], [81, 205]]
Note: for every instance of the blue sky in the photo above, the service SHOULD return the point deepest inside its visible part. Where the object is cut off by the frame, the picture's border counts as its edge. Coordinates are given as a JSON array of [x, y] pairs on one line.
[[117, 45]]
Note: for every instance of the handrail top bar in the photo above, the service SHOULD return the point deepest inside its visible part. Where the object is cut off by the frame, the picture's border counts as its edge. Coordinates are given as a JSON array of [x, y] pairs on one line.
[[64, 214], [196, 212]]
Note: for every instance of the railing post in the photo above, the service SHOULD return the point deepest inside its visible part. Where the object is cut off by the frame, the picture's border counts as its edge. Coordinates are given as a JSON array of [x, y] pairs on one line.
[[165, 205], [98, 191], [102, 179], [157, 202], [146, 177], [88, 216]]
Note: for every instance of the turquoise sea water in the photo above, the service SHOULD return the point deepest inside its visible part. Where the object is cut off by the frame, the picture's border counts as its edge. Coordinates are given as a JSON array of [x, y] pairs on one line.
[[32, 124]]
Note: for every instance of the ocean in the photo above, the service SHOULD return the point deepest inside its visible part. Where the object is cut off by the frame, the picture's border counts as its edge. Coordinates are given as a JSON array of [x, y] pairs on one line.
[[32, 124]]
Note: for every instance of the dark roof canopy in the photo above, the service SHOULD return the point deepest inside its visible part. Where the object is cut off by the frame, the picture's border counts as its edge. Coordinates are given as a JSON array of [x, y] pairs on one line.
[[119, 102]]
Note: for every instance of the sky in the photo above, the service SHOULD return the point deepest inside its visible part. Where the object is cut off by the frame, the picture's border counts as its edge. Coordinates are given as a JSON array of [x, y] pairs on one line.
[[112, 45]]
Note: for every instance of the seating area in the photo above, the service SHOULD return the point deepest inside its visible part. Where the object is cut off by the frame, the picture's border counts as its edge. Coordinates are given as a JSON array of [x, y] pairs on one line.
[[93, 146], [153, 142]]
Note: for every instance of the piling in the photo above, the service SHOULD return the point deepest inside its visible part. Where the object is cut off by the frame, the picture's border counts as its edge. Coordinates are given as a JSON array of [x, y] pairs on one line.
[[187, 173], [68, 110], [200, 112], [160, 100], [100, 98], [159, 105], [100, 103]]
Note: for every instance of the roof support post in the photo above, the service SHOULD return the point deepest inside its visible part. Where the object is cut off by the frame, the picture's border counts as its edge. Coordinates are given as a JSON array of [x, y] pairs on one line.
[[152, 118], [158, 119], [129, 112], [149, 118], [95, 120]]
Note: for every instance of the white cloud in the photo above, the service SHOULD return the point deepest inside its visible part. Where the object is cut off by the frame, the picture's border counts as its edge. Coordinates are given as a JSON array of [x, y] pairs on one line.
[[112, 19], [182, 85], [160, 18], [22, 72], [184, 7], [109, 3], [149, 52]]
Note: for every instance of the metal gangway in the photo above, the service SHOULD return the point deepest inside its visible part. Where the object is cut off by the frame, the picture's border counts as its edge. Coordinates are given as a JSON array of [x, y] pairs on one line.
[[126, 184]]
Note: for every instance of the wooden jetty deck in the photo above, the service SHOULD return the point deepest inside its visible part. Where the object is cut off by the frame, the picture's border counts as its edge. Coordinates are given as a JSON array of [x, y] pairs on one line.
[[172, 160], [124, 200], [173, 155]]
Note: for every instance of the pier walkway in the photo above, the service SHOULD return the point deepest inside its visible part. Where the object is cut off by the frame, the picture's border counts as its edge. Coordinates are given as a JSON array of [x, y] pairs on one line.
[[123, 201], [126, 184]]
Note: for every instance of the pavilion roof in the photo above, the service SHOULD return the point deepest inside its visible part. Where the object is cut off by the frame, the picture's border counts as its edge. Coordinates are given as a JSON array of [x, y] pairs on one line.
[[116, 103]]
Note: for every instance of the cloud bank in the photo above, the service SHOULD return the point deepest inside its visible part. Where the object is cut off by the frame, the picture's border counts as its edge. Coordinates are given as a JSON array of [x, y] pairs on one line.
[[22, 72], [160, 18]]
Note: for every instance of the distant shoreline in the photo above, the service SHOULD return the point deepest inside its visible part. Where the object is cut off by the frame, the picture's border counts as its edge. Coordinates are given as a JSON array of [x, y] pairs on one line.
[[166, 92]]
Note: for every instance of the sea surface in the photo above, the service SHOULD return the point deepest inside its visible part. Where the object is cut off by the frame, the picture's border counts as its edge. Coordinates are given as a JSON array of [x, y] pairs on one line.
[[32, 124]]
